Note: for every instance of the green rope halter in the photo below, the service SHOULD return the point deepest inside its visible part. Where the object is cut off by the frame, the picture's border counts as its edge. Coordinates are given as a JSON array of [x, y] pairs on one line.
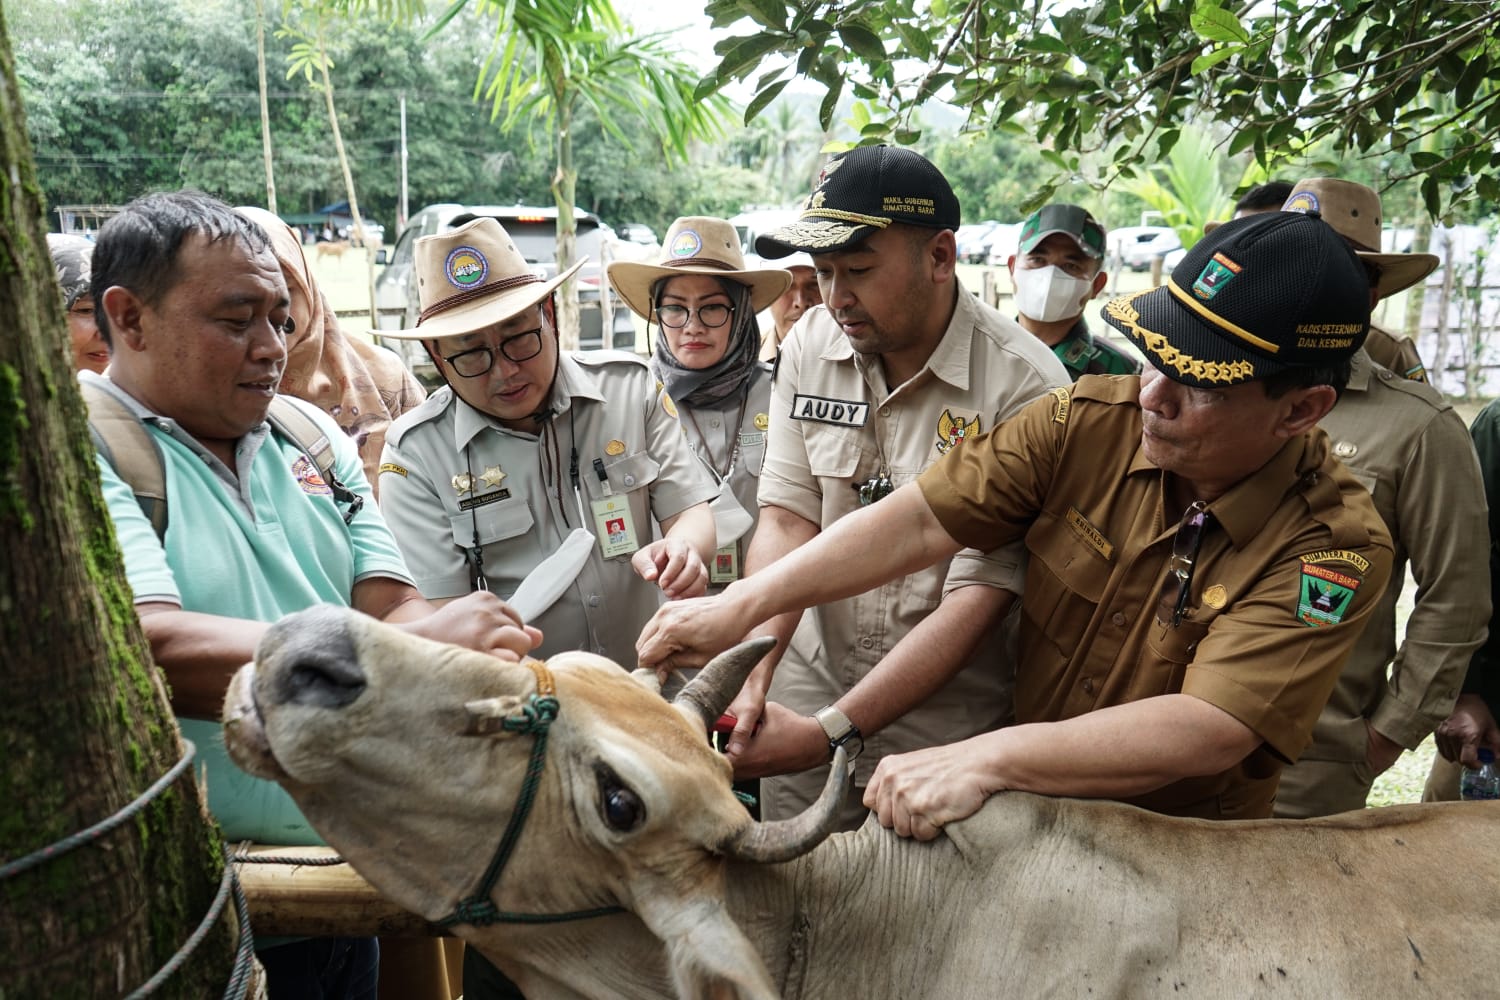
[[533, 718]]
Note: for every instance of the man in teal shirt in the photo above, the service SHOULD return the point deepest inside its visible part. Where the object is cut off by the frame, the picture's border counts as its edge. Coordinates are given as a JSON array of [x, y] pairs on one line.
[[193, 303]]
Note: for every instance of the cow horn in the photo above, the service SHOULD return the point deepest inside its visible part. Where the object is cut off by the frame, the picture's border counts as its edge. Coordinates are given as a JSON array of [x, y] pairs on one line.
[[783, 840], [707, 695]]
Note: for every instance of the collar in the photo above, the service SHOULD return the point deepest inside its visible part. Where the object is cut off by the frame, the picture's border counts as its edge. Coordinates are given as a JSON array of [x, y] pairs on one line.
[[1077, 344], [949, 360], [572, 382], [1248, 504], [1361, 368]]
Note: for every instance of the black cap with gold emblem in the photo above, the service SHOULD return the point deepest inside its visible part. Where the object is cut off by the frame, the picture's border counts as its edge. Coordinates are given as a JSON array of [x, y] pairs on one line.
[[861, 191], [1258, 295]]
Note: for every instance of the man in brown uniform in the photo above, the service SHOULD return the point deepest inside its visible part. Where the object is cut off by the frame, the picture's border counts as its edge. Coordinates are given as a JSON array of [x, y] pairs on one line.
[[1200, 564]]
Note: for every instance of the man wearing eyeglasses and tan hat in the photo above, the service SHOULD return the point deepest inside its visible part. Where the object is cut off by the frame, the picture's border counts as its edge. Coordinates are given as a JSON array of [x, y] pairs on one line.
[[1406, 444], [526, 445], [1200, 563]]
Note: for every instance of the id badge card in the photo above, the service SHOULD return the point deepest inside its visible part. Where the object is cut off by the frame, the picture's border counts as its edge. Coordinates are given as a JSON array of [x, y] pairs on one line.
[[614, 527], [726, 567]]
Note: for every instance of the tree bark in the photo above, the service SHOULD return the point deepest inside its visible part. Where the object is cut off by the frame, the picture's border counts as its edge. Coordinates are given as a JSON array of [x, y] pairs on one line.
[[265, 111], [564, 193], [84, 721]]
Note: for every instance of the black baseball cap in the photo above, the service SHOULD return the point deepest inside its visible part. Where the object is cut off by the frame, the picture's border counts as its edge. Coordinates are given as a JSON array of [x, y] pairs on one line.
[[1256, 296], [861, 191]]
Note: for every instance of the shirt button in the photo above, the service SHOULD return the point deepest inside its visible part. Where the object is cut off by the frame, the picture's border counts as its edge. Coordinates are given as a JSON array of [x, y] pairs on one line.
[[1088, 685], [885, 411], [714, 422], [867, 642], [1118, 619], [593, 600], [629, 480]]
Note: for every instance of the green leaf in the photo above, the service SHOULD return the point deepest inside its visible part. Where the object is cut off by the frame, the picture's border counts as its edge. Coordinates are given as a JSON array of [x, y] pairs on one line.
[[917, 44], [763, 98], [830, 105], [1243, 138], [907, 137], [1425, 161], [1213, 58], [862, 42], [1054, 158], [745, 54], [1218, 25], [767, 13], [1043, 42]]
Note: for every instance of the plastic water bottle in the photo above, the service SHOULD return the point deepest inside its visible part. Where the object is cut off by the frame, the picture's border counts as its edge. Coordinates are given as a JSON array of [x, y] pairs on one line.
[[1483, 783]]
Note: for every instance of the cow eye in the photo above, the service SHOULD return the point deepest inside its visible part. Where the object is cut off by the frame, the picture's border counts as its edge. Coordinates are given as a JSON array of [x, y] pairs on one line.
[[623, 809]]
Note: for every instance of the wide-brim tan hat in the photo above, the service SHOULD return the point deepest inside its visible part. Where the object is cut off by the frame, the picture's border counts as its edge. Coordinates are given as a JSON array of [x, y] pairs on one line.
[[697, 244], [1353, 210], [473, 277]]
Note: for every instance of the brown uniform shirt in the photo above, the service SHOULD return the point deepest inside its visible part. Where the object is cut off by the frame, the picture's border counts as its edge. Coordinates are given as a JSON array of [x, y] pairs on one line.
[[1068, 475], [1398, 354]]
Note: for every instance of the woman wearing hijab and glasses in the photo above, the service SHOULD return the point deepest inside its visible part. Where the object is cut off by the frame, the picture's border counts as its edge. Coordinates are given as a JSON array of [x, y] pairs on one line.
[[705, 302]]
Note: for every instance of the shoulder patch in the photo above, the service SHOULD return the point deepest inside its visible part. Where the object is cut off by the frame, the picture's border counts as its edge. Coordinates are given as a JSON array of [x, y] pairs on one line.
[[392, 467], [1329, 580], [1063, 402]]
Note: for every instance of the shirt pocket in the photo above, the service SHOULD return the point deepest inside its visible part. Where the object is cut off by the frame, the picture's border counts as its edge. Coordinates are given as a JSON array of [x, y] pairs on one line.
[[752, 446], [830, 455], [495, 522], [1065, 581], [627, 474]]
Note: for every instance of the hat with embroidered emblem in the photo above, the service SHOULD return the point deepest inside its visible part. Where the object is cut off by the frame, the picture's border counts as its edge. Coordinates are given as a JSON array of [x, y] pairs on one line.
[[1259, 295], [861, 192], [697, 244], [1354, 210], [473, 277]]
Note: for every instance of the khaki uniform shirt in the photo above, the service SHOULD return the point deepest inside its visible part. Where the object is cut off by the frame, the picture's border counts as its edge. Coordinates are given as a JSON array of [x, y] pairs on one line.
[[1411, 451], [731, 445], [834, 425], [521, 503], [1297, 537], [1398, 354]]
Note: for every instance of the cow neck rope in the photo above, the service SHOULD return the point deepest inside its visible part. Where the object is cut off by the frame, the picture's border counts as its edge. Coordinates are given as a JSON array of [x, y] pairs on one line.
[[535, 718]]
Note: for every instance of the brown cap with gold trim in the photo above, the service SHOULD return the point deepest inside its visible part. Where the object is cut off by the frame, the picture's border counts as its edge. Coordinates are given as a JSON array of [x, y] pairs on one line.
[[1258, 295]]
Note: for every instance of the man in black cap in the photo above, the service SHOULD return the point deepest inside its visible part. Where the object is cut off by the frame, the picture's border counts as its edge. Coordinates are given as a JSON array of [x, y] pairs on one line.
[[1200, 563], [898, 366]]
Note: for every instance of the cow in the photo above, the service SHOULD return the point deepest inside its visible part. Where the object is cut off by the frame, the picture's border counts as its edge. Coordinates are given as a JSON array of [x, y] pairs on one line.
[[333, 248], [568, 799]]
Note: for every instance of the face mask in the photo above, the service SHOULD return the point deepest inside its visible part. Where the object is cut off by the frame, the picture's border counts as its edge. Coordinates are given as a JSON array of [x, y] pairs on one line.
[[1048, 294]]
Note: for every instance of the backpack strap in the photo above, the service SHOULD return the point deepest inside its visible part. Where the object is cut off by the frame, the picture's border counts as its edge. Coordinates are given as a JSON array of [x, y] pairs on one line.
[[288, 420], [131, 451]]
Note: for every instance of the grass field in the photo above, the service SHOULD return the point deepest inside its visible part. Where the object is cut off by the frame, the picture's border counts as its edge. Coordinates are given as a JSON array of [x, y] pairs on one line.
[[345, 281]]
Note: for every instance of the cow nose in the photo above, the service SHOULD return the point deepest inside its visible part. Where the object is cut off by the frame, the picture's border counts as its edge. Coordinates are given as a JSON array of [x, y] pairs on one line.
[[313, 660], [322, 681]]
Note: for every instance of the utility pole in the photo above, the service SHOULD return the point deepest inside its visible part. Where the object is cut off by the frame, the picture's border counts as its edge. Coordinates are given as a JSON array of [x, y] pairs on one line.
[[401, 207], [265, 113]]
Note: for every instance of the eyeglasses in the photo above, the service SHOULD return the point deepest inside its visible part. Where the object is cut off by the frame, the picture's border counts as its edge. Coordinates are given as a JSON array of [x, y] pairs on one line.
[[713, 315], [1172, 601], [478, 361]]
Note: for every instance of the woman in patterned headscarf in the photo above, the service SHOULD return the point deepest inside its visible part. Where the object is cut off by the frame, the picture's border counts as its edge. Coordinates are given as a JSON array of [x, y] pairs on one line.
[[73, 256], [705, 303], [361, 386]]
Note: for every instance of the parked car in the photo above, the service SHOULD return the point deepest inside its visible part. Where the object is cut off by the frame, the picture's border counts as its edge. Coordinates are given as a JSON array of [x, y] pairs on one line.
[[758, 222], [534, 231], [1136, 246], [638, 232], [973, 241], [1005, 240]]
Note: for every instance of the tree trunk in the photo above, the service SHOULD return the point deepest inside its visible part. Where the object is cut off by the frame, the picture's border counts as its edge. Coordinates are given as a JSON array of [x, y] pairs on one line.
[[84, 722], [265, 111], [356, 224], [564, 191]]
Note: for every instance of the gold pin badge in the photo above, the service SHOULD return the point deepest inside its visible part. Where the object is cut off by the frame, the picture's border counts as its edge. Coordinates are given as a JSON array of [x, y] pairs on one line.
[[669, 406], [615, 447], [1345, 449], [762, 421], [493, 475], [1216, 596], [463, 483]]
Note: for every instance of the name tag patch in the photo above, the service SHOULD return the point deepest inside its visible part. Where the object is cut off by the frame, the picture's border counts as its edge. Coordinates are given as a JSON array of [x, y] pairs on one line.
[[843, 412], [469, 503], [1090, 535]]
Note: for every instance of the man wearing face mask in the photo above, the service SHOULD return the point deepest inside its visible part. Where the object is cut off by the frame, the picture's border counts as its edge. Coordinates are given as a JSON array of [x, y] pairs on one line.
[[1057, 270]]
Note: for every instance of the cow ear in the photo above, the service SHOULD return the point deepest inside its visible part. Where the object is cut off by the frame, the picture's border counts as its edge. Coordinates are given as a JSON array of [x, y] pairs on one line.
[[710, 956], [486, 716]]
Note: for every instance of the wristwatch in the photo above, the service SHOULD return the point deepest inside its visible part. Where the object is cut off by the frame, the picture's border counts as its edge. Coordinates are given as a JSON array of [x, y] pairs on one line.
[[840, 731]]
